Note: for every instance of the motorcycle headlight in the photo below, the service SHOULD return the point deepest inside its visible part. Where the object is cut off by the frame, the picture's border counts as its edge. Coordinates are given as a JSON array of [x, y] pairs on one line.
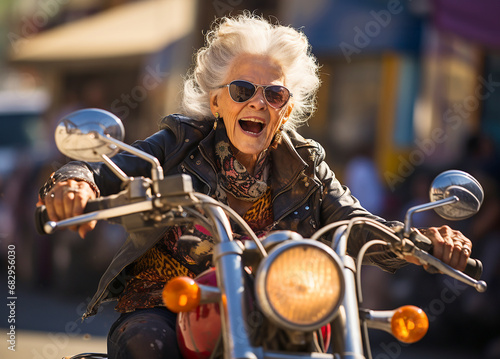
[[300, 285]]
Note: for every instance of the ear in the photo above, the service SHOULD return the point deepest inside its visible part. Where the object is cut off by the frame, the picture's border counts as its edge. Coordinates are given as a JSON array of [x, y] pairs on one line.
[[287, 114], [214, 106]]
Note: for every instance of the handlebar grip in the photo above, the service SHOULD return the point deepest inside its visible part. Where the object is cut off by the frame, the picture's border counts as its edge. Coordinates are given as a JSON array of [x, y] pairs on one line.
[[473, 268], [94, 205], [41, 217]]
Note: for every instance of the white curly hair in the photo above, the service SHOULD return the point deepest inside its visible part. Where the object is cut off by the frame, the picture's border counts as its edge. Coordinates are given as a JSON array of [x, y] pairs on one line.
[[248, 33]]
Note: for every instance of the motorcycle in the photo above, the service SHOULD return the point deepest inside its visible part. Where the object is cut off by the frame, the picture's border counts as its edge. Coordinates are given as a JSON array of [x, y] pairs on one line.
[[281, 296]]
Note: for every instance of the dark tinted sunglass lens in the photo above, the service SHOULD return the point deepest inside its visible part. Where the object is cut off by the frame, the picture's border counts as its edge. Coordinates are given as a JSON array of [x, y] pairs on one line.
[[241, 91], [277, 96]]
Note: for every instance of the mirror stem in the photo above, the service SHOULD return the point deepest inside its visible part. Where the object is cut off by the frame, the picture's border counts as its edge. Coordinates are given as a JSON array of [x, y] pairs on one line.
[[116, 170], [156, 169], [425, 207]]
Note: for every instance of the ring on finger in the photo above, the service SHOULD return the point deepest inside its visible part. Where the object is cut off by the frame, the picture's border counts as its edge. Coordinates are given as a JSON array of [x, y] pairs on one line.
[[466, 251], [72, 190]]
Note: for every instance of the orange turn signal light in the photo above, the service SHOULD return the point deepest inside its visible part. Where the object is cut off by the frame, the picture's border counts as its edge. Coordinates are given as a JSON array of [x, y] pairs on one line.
[[181, 294], [409, 324]]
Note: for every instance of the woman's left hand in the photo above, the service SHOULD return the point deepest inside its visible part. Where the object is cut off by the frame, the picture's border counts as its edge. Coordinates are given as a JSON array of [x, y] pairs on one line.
[[449, 246]]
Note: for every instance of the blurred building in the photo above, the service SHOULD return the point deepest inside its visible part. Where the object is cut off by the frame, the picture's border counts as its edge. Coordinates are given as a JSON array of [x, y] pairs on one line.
[[126, 57], [412, 79]]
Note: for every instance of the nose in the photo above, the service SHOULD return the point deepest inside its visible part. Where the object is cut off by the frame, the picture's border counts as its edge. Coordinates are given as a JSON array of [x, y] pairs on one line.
[[258, 101]]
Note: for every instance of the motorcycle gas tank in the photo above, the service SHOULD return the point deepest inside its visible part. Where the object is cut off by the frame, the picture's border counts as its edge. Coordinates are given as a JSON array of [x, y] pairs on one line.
[[198, 330]]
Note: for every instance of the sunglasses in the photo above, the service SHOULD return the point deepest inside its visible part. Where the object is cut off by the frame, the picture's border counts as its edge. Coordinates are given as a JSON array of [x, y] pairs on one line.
[[242, 91]]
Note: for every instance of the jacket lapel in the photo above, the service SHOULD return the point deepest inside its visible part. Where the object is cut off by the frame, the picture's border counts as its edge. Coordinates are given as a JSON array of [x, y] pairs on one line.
[[201, 162], [287, 166], [289, 176]]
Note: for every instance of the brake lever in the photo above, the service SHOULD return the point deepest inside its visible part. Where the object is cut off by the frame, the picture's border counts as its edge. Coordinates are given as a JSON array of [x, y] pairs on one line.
[[409, 249], [146, 205]]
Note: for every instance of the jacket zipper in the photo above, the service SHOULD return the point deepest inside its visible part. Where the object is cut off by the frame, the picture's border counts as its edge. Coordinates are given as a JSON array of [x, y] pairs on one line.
[[193, 172], [208, 159]]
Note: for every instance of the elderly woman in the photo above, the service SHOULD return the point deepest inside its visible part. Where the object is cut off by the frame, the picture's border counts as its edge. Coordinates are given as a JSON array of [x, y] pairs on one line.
[[251, 86]]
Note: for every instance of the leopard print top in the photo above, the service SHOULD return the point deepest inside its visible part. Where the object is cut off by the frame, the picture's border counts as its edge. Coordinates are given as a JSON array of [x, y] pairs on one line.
[[167, 259]]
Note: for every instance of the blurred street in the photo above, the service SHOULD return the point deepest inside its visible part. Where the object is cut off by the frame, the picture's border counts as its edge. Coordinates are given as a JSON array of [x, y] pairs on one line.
[[37, 345], [50, 326]]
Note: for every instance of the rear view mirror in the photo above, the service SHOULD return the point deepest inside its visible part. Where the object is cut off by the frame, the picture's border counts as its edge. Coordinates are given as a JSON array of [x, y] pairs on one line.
[[464, 187], [80, 134]]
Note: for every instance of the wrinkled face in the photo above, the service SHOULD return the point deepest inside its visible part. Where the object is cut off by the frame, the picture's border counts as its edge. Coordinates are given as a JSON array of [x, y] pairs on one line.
[[251, 125]]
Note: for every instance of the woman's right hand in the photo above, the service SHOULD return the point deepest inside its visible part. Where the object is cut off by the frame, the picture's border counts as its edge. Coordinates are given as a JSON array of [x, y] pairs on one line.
[[68, 199]]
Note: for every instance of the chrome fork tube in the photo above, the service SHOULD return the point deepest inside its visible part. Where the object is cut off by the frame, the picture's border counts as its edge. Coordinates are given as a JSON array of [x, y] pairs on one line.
[[229, 270], [347, 339]]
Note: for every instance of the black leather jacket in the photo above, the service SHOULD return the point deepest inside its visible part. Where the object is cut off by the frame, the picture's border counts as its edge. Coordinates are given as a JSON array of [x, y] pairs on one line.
[[306, 194]]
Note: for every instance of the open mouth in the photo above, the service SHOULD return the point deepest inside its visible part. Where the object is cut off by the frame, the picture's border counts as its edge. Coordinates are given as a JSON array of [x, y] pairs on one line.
[[252, 125]]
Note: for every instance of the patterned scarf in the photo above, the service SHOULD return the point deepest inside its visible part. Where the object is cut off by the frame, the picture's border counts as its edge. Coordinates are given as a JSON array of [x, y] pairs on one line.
[[233, 176]]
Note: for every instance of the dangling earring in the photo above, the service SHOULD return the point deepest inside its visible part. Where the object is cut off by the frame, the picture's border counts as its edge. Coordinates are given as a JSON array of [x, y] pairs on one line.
[[277, 137], [217, 116]]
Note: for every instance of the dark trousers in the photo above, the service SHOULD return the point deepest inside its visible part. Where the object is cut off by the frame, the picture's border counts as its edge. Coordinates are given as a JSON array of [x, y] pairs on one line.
[[144, 333]]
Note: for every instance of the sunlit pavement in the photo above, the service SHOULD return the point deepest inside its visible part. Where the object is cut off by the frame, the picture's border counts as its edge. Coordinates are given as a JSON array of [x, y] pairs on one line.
[[50, 345]]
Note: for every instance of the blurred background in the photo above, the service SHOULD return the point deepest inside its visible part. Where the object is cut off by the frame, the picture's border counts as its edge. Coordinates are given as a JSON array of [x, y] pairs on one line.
[[409, 88]]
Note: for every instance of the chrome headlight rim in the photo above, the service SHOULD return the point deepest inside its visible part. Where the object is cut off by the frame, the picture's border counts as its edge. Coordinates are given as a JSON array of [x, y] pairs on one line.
[[262, 296]]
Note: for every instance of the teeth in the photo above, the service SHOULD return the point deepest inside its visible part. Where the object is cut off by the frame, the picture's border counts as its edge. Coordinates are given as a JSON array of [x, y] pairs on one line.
[[246, 125], [252, 120]]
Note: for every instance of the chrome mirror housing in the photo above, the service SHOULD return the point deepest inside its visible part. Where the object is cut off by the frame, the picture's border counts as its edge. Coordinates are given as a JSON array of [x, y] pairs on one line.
[[80, 134], [464, 187], [95, 135], [454, 195]]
